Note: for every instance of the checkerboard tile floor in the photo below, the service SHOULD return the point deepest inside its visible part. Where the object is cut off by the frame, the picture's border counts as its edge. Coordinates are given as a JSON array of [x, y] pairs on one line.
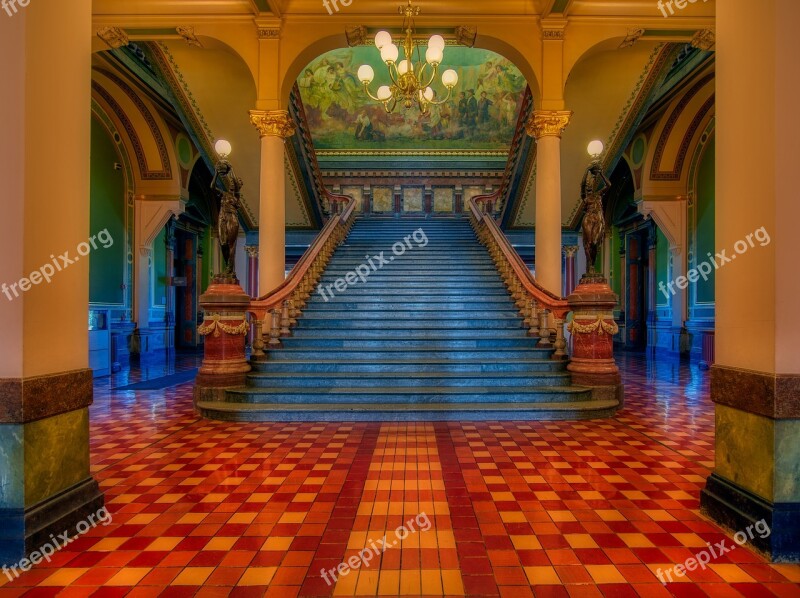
[[547, 509]]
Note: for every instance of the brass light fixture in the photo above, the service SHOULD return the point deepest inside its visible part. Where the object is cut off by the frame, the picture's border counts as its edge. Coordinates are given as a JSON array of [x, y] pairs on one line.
[[411, 80]]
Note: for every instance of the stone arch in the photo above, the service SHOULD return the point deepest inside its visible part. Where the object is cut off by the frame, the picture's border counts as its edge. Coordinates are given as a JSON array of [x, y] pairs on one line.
[[675, 139], [144, 133], [302, 56]]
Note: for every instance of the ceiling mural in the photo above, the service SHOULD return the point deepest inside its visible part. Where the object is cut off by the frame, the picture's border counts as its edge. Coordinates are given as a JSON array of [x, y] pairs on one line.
[[480, 115]]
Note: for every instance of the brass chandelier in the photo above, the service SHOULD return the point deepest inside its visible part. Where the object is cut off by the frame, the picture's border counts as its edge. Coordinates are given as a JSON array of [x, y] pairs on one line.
[[411, 80]]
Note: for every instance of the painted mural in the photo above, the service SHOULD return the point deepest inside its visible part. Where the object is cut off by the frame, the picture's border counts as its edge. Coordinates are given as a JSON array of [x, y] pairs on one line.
[[480, 115]]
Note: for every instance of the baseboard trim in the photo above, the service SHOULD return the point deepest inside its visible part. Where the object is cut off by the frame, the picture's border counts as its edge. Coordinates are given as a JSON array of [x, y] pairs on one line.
[[735, 508], [23, 531]]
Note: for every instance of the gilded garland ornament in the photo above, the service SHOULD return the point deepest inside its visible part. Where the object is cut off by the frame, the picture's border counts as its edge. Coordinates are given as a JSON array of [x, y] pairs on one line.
[[601, 324], [216, 325]]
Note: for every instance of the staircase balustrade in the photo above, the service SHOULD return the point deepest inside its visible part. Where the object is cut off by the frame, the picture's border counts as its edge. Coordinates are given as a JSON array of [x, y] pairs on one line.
[[285, 303], [535, 303]]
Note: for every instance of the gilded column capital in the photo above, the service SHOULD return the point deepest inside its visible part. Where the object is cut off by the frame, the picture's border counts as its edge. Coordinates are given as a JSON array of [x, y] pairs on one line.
[[252, 251], [548, 123], [570, 250], [273, 123]]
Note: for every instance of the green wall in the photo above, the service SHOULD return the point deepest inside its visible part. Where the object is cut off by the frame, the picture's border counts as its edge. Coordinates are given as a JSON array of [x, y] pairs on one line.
[[160, 269], [107, 211], [706, 188]]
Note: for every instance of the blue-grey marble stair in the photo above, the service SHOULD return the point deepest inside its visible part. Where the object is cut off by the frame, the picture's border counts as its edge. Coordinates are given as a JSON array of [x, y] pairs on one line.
[[431, 335]]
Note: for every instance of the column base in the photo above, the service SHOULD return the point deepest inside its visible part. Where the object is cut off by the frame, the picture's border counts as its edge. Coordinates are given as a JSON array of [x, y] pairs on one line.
[[735, 509], [23, 531]]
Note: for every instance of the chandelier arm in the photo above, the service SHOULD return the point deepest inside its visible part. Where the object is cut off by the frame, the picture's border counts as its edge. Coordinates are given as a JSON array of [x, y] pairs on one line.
[[432, 79], [393, 75], [366, 89], [447, 98]]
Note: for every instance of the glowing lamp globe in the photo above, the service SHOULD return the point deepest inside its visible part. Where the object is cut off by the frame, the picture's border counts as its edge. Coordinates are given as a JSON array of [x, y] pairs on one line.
[[402, 67], [223, 148], [389, 53], [595, 148], [428, 94], [366, 74], [383, 38], [450, 78], [436, 41], [434, 56], [384, 93]]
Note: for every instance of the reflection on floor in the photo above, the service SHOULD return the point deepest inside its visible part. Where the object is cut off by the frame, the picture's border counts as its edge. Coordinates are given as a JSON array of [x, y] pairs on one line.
[[206, 508]]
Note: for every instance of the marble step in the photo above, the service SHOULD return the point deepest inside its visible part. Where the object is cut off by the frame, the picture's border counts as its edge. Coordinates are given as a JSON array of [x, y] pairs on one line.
[[414, 395], [385, 353], [418, 379], [409, 366]]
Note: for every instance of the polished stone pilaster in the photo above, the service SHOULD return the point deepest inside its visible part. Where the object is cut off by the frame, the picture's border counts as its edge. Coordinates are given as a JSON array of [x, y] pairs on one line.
[[546, 126], [755, 383], [274, 127], [225, 328], [593, 329], [45, 385]]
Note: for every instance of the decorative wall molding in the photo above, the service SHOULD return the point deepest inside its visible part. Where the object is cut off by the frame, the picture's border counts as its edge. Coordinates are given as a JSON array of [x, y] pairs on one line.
[[114, 37], [656, 173], [188, 34]]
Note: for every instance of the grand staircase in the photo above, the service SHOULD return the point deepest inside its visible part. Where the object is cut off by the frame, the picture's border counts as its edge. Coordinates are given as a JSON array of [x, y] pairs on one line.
[[431, 335]]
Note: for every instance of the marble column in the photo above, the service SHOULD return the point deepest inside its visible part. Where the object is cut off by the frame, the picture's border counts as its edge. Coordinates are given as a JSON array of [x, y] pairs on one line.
[[546, 126], [570, 252], [45, 383], [252, 270], [274, 127], [755, 383]]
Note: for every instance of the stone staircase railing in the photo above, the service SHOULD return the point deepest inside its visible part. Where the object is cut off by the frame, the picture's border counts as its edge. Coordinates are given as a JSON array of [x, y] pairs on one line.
[[536, 304], [285, 303]]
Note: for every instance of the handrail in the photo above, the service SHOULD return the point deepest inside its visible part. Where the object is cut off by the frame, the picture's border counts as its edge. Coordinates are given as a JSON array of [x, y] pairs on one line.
[[532, 299], [286, 301]]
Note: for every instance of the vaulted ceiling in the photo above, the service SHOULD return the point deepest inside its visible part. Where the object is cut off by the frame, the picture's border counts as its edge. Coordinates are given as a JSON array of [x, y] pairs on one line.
[[606, 83]]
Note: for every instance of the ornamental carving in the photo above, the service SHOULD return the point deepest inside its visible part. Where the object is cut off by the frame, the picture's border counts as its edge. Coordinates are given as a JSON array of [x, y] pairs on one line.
[[548, 123], [704, 40], [114, 37], [273, 123], [356, 35], [188, 34], [466, 36], [553, 34], [269, 33]]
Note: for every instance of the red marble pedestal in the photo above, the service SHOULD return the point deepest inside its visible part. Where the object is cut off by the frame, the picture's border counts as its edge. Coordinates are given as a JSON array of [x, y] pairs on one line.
[[593, 329], [224, 329]]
